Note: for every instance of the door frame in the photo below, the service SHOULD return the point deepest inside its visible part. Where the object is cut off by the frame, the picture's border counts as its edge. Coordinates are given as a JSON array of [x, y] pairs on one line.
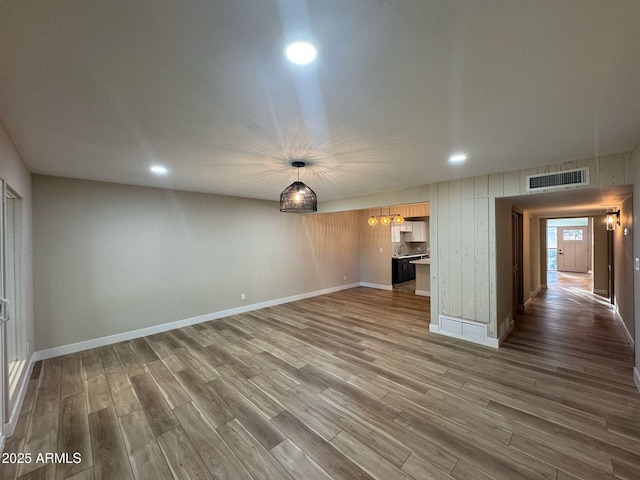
[[3, 320], [611, 267], [517, 259]]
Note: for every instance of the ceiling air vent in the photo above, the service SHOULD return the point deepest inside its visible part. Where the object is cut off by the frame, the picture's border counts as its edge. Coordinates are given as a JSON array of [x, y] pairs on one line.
[[549, 181]]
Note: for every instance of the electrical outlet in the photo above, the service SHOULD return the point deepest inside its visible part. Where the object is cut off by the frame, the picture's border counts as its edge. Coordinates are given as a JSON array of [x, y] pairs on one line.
[[242, 296], [345, 277]]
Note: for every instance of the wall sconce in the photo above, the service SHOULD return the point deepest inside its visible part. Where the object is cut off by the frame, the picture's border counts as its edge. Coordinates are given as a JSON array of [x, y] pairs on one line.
[[385, 219], [613, 219]]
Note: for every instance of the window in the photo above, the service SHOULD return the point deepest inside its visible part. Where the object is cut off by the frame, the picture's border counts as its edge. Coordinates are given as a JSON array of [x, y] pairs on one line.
[[568, 235]]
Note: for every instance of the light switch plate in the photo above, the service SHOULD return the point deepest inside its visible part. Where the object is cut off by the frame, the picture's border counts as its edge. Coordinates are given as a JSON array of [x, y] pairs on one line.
[[637, 263]]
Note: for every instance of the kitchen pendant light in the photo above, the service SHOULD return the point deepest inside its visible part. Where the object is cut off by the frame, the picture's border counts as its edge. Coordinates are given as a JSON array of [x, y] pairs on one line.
[[385, 219], [297, 197]]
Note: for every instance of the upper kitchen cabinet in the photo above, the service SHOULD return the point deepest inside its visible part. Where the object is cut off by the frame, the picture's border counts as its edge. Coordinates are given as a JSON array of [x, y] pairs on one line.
[[418, 232], [406, 226], [395, 232]]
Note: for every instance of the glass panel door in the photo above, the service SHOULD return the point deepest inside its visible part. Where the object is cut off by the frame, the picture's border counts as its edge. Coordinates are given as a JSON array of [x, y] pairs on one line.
[[15, 344]]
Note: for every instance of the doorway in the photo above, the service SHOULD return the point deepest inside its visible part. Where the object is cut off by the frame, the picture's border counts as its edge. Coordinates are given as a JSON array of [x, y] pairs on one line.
[[517, 251], [569, 244], [573, 249], [13, 346]]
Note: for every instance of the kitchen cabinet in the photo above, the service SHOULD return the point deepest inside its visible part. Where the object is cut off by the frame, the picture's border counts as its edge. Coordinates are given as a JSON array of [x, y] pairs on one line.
[[402, 270], [406, 226], [395, 233], [418, 232]]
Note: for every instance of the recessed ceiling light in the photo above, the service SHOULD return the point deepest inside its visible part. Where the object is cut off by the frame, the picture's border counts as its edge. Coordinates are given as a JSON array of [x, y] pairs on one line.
[[300, 53], [159, 170], [457, 158]]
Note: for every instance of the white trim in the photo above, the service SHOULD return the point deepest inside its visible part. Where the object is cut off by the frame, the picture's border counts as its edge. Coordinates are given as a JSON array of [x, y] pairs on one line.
[[624, 327], [636, 377], [511, 323], [2, 439], [143, 332], [600, 291], [10, 426], [533, 295], [484, 340], [423, 293], [375, 285]]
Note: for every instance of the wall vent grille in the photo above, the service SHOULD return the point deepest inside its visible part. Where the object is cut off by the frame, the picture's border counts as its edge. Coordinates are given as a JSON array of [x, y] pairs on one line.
[[553, 180]]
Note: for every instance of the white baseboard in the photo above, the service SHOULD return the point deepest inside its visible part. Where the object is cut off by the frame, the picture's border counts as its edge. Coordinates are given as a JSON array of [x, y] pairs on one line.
[[510, 323], [375, 285], [464, 330], [536, 291], [143, 332], [624, 327], [423, 293], [636, 378], [532, 295], [600, 291]]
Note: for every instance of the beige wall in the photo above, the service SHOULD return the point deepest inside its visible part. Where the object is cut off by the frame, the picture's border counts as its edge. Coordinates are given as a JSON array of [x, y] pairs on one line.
[[16, 175], [623, 260], [375, 251], [635, 159], [502, 280], [114, 258]]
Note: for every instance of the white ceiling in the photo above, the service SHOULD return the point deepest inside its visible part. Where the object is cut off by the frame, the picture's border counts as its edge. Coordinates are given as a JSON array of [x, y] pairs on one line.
[[103, 89]]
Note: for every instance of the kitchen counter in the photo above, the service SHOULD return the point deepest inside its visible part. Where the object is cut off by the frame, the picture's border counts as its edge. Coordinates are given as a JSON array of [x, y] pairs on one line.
[[423, 276], [403, 268], [422, 261]]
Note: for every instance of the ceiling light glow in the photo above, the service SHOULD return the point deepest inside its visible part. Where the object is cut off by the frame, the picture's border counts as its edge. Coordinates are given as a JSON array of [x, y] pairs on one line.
[[300, 53], [458, 158], [159, 170]]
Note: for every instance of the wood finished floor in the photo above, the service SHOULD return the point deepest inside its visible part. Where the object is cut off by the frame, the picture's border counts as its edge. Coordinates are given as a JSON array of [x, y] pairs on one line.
[[349, 385]]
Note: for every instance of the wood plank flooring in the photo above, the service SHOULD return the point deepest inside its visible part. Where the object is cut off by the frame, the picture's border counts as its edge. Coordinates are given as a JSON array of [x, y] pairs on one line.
[[349, 385]]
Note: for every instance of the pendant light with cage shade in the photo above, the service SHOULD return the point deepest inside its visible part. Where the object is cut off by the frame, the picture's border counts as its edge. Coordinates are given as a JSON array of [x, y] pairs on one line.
[[297, 197]]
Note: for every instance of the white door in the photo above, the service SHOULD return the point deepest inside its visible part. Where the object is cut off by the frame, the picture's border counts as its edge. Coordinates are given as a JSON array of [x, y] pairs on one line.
[[573, 249]]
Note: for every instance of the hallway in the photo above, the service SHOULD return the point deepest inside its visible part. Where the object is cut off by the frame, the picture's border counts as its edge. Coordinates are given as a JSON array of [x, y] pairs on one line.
[[575, 333], [575, 329]]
